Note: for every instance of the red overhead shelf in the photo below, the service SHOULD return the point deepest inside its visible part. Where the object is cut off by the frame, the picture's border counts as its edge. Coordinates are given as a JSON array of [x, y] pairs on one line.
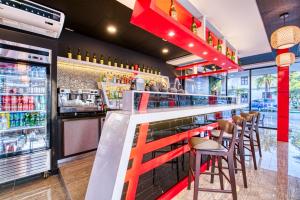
[[203, 63], [152, 16], [202, 74]]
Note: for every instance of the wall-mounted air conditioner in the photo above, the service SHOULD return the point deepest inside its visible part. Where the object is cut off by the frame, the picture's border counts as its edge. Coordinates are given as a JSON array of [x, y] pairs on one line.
[[29, 16]]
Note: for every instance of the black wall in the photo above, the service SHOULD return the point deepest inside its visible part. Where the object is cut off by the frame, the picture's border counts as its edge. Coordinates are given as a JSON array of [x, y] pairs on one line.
[[75, 41]]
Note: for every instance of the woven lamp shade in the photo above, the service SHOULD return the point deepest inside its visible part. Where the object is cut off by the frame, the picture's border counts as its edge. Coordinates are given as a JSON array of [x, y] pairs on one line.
[[285, 59], [285, 37]]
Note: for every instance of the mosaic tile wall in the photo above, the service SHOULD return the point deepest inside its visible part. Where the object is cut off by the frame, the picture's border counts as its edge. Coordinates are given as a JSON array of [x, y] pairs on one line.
[[76, 77]]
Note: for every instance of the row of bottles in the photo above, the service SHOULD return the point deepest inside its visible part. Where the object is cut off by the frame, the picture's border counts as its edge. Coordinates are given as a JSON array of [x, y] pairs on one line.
[[113, 62], [21, 119], [115, 78], [194, 28]]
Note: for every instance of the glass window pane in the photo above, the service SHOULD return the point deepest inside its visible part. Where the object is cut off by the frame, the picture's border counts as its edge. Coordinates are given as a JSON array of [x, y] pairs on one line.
[[264, 95]]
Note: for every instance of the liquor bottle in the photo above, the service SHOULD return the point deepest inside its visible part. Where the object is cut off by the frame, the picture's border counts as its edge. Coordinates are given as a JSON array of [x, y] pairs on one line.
[[219, 46], [233, 56], [69, 54], [101, 60], [151, 70], [121, 64], [148, 70], [115, 63], [172, 11], [209, 39], [158, 72], [194, 27], [127, 65], [78, 54], [143, 68], [132, 67], [228, 53], [87, 56], [109, 61], [94, 58]]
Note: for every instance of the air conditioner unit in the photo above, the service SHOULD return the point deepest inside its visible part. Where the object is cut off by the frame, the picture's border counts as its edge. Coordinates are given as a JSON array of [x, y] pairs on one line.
[[29, 16]]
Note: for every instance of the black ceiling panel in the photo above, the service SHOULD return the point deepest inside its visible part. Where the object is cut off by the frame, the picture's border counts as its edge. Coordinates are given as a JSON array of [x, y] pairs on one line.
[[91, 18], [270, 11]]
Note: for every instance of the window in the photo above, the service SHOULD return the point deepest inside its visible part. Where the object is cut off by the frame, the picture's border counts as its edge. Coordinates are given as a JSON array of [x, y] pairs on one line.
[[244, 80]]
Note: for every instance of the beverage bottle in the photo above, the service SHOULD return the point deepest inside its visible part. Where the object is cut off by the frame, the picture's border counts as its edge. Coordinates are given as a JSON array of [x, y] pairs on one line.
[[210, 40], [127, 65], [109, 61], [172, 11], [115, 63], [87, 56], [94, 58], [121, 64], [101, 60], [7, 116], [78, 54], [194, 27], [69, 53]]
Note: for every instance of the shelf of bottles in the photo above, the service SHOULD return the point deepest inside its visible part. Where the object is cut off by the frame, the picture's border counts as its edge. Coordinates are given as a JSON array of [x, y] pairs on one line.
[[180, 28], [23, 116]]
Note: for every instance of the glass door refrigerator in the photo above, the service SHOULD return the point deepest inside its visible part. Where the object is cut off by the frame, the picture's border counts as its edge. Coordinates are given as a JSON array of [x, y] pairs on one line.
[[24, 110]]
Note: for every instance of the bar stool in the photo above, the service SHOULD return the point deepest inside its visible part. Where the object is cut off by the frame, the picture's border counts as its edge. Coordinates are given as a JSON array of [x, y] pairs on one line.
[[256, 130], [248, 136], [240, 122], [201, 146]]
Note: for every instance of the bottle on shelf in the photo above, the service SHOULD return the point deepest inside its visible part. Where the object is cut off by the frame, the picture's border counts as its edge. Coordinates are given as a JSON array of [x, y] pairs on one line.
[[78, 54], [151, 70], [121, 64], [109, 61], [228, 53], [219, 46], [104, 79], [132, 67], [101, 61], [172, 11], [158, 72], [194, 27], [94, 58], [115, 62], [69, 53], [127, 65], [143, 68], [148, 70], [87, 56], [233, 56], [209, 39]]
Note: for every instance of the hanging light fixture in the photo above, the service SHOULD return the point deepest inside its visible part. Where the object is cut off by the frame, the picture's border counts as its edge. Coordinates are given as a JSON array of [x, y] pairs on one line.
[[285, 59], [286, 36]]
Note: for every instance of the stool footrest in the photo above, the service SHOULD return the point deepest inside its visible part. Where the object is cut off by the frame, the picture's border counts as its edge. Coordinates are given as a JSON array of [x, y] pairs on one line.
[[213, 190]]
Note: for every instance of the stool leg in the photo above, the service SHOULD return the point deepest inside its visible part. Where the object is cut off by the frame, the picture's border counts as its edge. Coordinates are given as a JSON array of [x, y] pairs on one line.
[[253, 151], [232, 176], [213, 166], [235, 161], [190, 169], [197, 174], [242, 158], [258, 142], [220, 172]]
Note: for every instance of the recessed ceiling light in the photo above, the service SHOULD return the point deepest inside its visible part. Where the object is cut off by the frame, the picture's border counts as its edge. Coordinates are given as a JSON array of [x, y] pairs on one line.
[[111, 29], [171, 34], [223, 63], [215, 59], [165, 50], [191, 45], [164, 39], [205, 53], [229, 67]]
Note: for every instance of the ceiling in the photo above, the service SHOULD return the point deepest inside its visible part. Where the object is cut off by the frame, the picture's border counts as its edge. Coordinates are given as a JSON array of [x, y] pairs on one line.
[[91, 18], [246, 24]]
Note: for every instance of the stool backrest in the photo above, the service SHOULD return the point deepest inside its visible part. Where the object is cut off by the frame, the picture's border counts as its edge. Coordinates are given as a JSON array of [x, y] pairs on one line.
[[241, 122], [257, 116], [230, 128], [250, 118]]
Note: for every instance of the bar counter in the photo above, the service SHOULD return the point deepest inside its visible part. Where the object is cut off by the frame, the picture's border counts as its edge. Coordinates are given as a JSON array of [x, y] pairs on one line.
[[136, 142]]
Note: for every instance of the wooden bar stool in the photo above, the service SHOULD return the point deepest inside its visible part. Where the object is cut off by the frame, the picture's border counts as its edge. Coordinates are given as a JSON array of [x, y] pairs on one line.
[[201, 146], [256, 130], [248, 136], [239, 147]]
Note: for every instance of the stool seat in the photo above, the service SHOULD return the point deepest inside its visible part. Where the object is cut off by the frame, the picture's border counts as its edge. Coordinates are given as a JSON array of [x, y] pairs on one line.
[[216, 134], [206, 144]]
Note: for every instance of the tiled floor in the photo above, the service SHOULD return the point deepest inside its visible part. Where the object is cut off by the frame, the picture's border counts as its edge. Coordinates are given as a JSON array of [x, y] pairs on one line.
[[278, 177]]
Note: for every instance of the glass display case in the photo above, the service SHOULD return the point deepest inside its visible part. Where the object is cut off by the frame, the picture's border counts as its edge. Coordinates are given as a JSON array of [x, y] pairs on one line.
[[23, 103]]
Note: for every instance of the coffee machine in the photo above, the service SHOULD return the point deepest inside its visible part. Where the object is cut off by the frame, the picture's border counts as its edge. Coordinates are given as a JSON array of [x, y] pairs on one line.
[[78, 100]]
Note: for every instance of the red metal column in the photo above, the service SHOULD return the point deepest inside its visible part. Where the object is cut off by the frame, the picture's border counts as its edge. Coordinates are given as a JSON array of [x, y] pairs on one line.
[[283, 102]]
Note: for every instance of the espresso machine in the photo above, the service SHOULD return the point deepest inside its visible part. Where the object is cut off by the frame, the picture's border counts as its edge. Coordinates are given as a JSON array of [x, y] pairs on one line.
[[73, 101]]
